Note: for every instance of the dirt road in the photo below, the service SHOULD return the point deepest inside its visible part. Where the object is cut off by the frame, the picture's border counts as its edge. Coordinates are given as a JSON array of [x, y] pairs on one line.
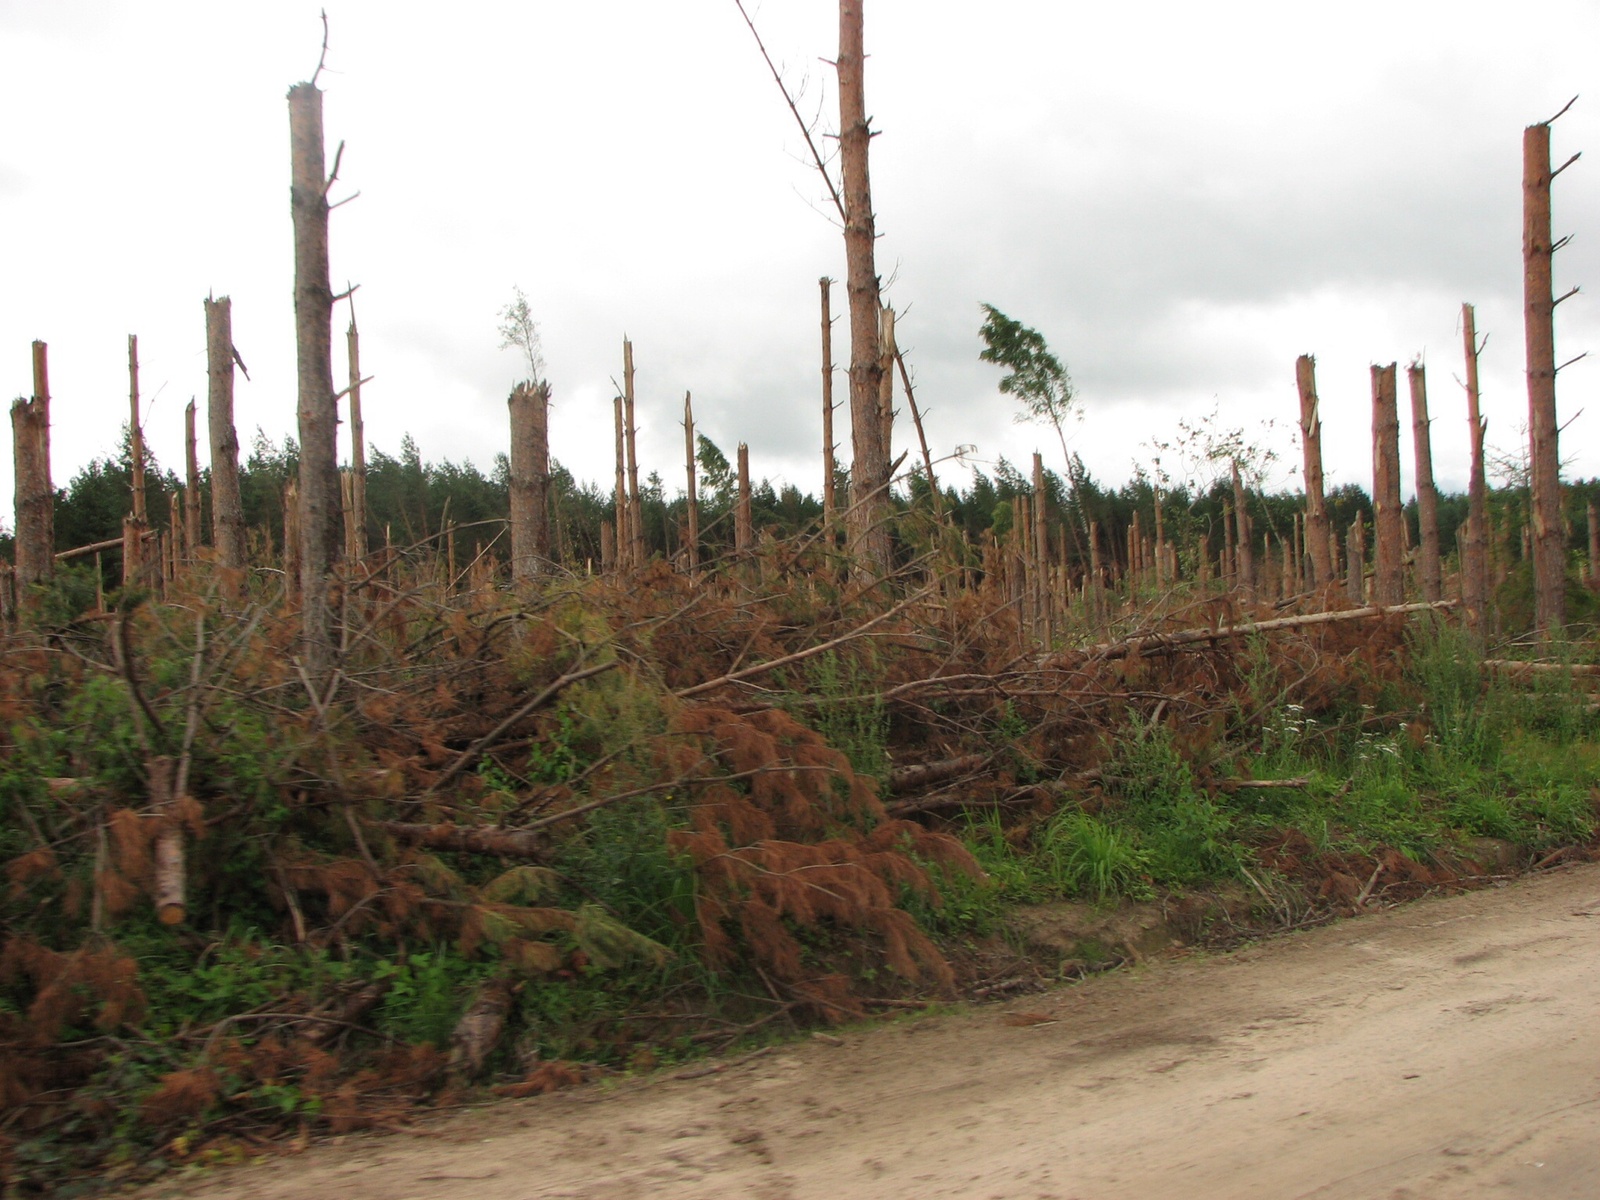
[[1447, 1049]]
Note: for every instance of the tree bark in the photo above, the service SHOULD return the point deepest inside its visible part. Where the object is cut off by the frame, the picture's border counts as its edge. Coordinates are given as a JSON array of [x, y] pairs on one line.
[[322, 519], [1041, 555], [1538, 313], [635, 508], [1246, 566], [530, 479], [624, 539], [692, 498], [191, 495], [828, 446], [743, 534], [34, 494], [1428, 571], [136, 434], [1319, 532], [227, 511], [1355, 552], [1388, 566], [869, 469], [1474, 546], [358, 448]]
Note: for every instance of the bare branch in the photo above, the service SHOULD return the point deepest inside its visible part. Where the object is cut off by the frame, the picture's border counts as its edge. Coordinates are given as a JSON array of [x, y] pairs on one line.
[[1566, 164], [342, 203], [805, 130], [1570, 361], [1566, 295], [338, 157], [1558, 116], [322, 58]]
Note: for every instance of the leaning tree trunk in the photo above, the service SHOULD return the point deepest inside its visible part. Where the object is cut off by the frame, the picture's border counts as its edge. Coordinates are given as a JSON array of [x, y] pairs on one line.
[[1474, 546], [227, 511], [35, 541], [530, 479], [1538, 313], [869, 468], [1428, 572], [1388, 561], [1319, 531], [322, 520]]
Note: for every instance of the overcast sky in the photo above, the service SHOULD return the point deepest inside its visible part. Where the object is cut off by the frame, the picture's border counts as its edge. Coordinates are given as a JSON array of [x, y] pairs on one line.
[[1181, 197]]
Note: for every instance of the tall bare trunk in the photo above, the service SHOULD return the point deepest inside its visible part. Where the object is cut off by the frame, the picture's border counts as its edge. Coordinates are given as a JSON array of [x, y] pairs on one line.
[[869, 469], [358, 447], [635, 508], [227, 512], [623, 537], [886, 354], [1388, 564], [1538, 313], [136, 433], [1247, 567], [692, 497], [1474, 546], [828, 446], [1041, 554], [322, 519], [191, 495], [1428, 571], [34, 497], [743, 535], [1319, 532], [530, 479]]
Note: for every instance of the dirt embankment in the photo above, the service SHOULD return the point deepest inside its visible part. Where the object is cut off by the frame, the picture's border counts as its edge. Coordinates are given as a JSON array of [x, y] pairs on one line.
[[1444, 1049]]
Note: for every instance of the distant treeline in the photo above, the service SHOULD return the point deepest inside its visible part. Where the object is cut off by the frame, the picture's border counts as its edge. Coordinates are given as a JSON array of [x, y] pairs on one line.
[[411, 501]]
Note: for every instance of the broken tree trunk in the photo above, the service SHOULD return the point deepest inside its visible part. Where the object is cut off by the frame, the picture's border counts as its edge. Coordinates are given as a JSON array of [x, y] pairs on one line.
[[624, 539], [1474, 546], [829, 462], [321, 515], [1319, 531], [922, 437], [691, 495], [1538, 314], [1041, 555], [636, 550], [530, 479], [869, 471], [886, 353], [1355, 551], [191, 495], [1428, 571], [227, 510], [743, 534], [1388, 562], [34, 495], [141, 513], [357, 522], [171, 890], [1246, 581]]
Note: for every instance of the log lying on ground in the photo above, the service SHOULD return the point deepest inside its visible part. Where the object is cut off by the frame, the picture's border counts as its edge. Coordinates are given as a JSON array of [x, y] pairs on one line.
[[1511, 666], [491, 839]]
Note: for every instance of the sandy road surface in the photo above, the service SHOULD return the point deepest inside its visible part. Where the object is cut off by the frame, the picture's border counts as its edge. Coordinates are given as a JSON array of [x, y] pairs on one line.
[[1447, 1049]]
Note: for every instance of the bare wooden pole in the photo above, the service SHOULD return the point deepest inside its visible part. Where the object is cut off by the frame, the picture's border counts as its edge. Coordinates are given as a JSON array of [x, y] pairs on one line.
[[136, 432], [322, 518], [1428, 569], [692, 498], [635, 508], [886, 355], [623, 538], [358, 446], [34, 495], [1388, 567], [1538, 312], [869, 472], [530, 479], [227, 510], [743, 534], [829, 462], [191, 494], [1474, 545]]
